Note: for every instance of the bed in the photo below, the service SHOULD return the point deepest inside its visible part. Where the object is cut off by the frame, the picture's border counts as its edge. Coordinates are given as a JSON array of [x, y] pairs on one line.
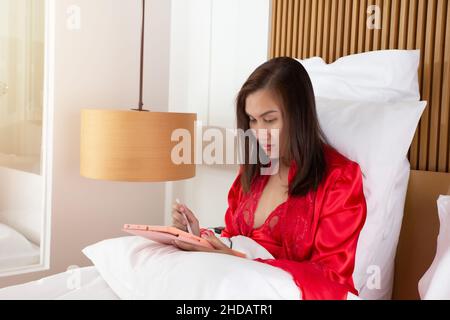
[[414, 255], [416, 249], [76, 284], [332, 30], [135, 268]]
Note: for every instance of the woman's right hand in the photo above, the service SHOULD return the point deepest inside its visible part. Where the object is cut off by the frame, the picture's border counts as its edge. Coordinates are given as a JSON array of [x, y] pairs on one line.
[[179, 222]]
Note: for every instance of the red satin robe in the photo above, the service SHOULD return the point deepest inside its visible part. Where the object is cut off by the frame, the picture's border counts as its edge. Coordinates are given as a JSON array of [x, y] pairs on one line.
[[312, 237]]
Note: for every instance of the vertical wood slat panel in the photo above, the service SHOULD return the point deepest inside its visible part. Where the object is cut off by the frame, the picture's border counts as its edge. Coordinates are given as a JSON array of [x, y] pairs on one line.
[[362, 25], [340, 29], [332, 29], [273, 35], [301, 32], [313, 31], [278, 5], [306, 29], [403, 24], [413, 153], [369, 32], [284, 5], [421, 29], [395, 21], [386, 25], [347, 27], [333, 35], [444, 162], [327, 31], [295, 30], [289, 23], [320, 23], [427, 85], [377, 33], [354, 28], [437, 62]]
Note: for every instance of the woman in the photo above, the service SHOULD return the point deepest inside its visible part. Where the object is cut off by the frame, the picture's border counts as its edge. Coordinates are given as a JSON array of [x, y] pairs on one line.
[[310, 213]]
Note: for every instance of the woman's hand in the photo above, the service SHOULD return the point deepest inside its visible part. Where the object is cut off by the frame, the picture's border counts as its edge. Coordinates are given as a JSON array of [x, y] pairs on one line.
[[179, 222], [219, 246]]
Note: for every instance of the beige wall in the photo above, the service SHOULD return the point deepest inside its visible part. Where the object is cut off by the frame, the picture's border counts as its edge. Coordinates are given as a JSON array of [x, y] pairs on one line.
[[97, 66], [215, 46]]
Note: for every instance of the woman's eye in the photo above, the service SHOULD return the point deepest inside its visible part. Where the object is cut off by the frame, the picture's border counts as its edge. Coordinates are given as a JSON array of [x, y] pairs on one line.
[[252, 120], [270, 120]]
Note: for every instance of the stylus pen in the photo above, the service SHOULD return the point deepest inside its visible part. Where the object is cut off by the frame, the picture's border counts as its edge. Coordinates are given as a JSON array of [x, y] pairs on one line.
[[187, 221]]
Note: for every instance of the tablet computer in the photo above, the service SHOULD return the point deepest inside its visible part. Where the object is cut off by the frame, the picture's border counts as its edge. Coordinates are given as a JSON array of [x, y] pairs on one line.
[[165, 234]]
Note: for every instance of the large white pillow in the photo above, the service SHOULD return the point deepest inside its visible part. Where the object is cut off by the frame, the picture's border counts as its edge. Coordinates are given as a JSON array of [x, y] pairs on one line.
[[435, 283], [15, 249], [138, 268], [382, 76], [377, 136]]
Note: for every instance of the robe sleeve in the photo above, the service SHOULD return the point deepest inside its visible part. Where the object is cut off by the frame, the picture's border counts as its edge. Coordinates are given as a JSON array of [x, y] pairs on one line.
[[327, 274]]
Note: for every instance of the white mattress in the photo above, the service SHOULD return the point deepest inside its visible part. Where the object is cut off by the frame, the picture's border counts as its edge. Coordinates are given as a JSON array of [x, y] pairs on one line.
[[79, 284]]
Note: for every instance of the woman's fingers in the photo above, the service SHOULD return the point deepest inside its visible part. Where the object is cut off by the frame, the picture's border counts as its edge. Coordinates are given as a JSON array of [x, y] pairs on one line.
[[215, 242], [189, 215], [178, 221], [177, 213], [178, 217], [189, 247], [179, 209]]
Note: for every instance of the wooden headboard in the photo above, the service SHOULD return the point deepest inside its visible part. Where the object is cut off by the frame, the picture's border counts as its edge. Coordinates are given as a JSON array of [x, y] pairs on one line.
[[417, 246], [335, 28]]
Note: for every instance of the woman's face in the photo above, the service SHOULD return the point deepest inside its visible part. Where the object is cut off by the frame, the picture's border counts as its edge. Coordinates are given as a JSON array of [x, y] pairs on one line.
[[265, 118]]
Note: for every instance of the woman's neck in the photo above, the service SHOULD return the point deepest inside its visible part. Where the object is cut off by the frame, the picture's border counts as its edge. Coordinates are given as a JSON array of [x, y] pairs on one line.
[[283, 173], [280, 170]]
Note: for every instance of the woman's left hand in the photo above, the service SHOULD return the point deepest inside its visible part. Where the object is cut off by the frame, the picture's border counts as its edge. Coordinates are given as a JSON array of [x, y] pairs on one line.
[[219, 246]]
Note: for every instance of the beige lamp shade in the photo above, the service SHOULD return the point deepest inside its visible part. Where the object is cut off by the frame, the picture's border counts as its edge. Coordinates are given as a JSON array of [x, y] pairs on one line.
[[121, 145]]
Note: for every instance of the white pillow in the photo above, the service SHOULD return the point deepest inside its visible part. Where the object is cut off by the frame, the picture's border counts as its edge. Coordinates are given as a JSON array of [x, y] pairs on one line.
[[15, 249], [435, 283], [377, 136], [383, 76], [138, 268], [384, 258]]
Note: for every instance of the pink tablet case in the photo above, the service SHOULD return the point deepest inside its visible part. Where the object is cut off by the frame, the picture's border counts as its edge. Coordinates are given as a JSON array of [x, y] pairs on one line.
[[165, 235]]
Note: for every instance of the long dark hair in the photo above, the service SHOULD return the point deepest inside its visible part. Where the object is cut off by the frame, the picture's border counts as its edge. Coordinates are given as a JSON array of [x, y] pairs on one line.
[[289, 81]]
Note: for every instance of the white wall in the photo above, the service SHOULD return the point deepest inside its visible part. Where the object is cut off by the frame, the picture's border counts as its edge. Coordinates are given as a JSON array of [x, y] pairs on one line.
[[215, 46], [98, 67]]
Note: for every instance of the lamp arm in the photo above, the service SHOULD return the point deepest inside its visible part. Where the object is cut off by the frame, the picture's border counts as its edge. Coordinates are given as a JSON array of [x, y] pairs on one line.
[[141, 79]]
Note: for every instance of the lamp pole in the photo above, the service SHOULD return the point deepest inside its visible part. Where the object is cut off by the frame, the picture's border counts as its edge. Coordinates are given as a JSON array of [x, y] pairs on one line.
[[141, 81]]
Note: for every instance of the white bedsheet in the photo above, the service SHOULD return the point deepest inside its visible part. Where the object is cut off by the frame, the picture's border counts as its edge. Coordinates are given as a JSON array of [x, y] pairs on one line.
[[76, 284], [80, 284]]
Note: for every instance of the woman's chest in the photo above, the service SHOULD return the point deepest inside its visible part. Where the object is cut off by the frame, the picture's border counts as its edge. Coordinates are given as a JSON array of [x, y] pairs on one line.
[[270, 199], [289, 226]]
